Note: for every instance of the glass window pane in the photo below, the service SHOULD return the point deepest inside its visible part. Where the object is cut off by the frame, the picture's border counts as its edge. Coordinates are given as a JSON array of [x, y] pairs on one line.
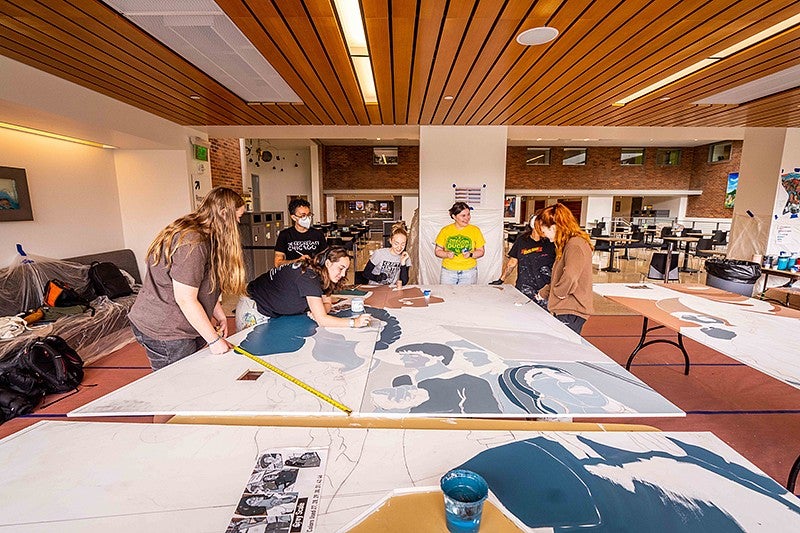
[[574, 156], [668, 157], [538, 156], [719, 152], [631, 156]]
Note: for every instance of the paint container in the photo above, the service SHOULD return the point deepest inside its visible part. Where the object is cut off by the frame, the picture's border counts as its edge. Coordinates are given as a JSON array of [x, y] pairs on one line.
[[427, 294], [783, 262], [357, 306], [792, 261], [464, 494]]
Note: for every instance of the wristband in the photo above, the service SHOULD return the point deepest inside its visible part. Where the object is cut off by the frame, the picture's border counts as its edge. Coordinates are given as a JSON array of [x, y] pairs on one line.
[[352, 322], [215, 340]]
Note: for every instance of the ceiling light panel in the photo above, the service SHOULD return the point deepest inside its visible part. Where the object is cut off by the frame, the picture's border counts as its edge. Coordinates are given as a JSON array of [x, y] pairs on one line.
[[200, 32], [772, 84]]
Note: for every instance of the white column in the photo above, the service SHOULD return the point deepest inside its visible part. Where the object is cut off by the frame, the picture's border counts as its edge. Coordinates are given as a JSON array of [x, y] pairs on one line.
[[597, 208], [316, 181], [473, 156], [759, 225]]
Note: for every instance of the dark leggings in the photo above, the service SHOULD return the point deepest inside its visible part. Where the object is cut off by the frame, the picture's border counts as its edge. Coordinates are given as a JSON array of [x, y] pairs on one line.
[[574, 322]]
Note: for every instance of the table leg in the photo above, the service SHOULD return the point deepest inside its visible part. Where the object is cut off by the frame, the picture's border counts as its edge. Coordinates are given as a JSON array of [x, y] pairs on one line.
[[790, 484], [643, 343], [685, 267], [610, 267], [764, 287], [668, 262]]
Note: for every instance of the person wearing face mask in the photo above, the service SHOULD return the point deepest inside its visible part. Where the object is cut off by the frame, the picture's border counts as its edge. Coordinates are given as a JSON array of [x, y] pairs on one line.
[[298, 287], [458, 245], [534, 255], [299, 240], [389, 266]]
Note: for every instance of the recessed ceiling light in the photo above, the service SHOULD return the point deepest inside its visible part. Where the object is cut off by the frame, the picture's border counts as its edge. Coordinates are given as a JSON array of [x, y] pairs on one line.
[[541, 35], [194, 97], [663, 99], [448, 97], [377, 138]]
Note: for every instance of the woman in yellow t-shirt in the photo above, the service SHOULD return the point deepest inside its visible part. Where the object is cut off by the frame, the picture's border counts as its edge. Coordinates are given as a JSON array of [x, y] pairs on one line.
[[459, 245]]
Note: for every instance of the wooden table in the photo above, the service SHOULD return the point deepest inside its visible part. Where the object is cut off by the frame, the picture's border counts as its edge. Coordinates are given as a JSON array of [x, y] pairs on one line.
[[793, 276], [465, 352], [752, 331], [612, 241], [686, 250], [155, 477]]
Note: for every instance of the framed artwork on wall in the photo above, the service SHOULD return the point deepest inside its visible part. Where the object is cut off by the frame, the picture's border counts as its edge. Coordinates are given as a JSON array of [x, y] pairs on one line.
[[15, 201], [730, 189], [510, 206]]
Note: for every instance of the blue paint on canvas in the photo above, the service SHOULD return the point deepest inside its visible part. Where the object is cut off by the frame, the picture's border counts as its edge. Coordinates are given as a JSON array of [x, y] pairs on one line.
[[284, 334], [545, 485]]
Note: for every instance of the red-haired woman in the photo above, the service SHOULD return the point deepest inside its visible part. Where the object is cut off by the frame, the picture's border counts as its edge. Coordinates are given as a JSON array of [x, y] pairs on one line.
[[569, 294]]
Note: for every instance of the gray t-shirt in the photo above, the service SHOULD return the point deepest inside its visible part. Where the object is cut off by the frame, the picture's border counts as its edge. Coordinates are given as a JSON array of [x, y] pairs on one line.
[[387, 263], [155, 312]]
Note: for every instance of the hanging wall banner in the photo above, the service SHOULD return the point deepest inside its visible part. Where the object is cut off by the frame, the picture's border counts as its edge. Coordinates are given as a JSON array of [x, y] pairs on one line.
[[730, 191]]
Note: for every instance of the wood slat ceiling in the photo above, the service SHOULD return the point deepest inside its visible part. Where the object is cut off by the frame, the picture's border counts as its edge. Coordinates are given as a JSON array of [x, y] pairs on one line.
[[424, 50]]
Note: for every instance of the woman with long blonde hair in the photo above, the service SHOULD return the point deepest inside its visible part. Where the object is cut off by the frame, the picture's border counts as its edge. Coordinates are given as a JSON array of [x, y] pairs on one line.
[[390, 265], [190, 264], [569, 294]]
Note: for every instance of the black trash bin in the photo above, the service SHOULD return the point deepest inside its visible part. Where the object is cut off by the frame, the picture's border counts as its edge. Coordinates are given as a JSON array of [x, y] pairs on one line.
[[732, 275]]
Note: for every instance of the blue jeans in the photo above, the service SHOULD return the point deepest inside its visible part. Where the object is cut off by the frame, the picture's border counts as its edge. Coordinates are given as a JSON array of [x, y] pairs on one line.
[[162, 353], [458, 277]]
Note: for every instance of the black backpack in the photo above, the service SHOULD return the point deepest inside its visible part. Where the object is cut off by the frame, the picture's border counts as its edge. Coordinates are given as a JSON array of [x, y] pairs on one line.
[[108, 280], [59, 294], [53, 362]]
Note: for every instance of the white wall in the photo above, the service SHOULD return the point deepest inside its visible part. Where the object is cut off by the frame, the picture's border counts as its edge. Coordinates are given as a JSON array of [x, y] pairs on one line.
[[154, 190], [73, 194], [409, 204], [277, 185], [596, 208], [466, 156]]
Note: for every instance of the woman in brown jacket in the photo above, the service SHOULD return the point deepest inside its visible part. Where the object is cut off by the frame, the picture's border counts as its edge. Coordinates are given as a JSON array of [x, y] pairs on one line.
[[569, 294]]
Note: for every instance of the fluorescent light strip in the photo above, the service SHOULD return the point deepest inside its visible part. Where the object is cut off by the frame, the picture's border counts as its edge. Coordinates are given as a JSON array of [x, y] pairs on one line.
[[50, 135], [349, 12], [691, 69]]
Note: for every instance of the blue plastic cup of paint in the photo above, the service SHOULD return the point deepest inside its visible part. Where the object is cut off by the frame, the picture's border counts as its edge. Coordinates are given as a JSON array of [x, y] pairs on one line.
[[783, 263], [426, 293], [464, 494]]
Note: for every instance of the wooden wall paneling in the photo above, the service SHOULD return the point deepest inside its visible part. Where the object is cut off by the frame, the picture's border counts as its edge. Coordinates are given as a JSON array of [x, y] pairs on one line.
[[674, 49], [374, 112], [185, 77], [754, 63], [591, 48], [456, 21], [86, 62], [478, 31], [376, 25], [266, 30], [508, 26], [404, 27], [516, 66], [428, 34], [324, 19], [318, 54]]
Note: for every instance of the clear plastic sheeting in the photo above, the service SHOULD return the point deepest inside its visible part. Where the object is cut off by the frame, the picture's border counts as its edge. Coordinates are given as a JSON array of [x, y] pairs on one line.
[[21, 287], [22, 283]]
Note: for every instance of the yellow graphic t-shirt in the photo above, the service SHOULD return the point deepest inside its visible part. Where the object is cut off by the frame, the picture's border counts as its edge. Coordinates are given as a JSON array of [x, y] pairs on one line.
[[458, 241]]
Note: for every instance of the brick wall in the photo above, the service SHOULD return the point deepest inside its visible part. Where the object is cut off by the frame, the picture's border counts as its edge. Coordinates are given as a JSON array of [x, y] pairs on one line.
[[712, 178], [350, 167], [226, 164], [602, 171]]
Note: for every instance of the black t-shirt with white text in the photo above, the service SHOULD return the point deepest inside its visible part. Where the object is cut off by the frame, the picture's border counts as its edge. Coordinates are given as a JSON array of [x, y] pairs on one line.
[[283, 290], [293, 244], [535, 263]]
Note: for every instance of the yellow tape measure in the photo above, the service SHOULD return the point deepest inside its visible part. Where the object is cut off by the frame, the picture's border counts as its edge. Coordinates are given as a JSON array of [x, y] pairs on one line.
[[309, 388]]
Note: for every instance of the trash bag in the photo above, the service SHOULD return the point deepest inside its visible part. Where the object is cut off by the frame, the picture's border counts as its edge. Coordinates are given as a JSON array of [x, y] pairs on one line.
[[734, 270]]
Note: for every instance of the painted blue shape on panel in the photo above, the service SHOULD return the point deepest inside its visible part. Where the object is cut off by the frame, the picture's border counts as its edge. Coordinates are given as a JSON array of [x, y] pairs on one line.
[[284, 334], [545, 484], [391, 329]]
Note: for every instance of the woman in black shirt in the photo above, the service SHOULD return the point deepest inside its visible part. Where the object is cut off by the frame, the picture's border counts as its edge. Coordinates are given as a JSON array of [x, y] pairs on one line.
[[533, 255], [302, 286]]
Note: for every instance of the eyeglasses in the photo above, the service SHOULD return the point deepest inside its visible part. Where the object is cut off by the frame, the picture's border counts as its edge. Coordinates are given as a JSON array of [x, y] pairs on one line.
[[304, 216]]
